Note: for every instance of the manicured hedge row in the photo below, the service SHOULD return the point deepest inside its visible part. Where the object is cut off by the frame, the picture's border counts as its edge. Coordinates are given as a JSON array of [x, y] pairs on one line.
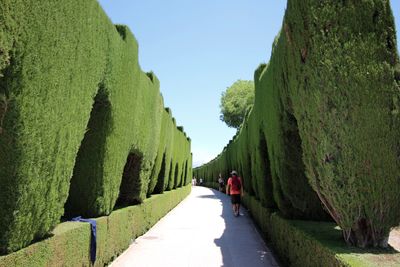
[[70, 243], [322, 137], [345, 104], [81, 125], [310, 243]]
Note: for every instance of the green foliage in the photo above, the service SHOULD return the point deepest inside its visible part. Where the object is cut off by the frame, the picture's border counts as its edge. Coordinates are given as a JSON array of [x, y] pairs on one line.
[[6, 36], [259, 162], [310, 243], [74, 101], [158, 172], [164, 172], [91, 150], [343, 101], [45, 118], [177, 174], [292, 192], [328, 105], [397, 73], [70, 243], [235, 101]]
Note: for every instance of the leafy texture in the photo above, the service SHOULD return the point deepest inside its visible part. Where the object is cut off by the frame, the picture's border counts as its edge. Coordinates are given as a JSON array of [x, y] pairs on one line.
[[69, 245], [75, 108], [235, 102], [328, 105], [311, 243]]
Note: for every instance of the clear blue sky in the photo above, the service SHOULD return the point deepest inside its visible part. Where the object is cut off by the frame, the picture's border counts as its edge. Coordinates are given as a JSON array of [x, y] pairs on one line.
[[198, 49]]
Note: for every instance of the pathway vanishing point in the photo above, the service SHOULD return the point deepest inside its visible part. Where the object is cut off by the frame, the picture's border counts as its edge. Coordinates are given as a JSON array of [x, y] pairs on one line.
[[200, 232]]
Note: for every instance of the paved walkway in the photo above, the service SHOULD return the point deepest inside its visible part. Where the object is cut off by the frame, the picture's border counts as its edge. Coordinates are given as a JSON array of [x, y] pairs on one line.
[[200, 232]]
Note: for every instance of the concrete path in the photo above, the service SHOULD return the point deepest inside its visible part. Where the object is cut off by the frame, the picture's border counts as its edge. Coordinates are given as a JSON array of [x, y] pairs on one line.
[[201, 232]]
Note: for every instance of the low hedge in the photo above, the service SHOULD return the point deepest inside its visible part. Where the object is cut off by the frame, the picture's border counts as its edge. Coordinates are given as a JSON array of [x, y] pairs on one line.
[[69, 244], [312, 243]]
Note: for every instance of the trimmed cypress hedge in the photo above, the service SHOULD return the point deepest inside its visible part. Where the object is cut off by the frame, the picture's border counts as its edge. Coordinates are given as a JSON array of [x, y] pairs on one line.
[[311, 243], [70, 243], [292, 193], [345, 103], [81, 123], [327, 105]]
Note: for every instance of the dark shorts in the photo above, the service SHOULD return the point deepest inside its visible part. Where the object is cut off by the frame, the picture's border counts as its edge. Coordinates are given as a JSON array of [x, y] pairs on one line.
[[235, 199]]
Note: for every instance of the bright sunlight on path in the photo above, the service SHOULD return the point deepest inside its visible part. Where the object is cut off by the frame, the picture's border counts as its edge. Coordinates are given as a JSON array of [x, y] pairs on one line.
[[201, 231]]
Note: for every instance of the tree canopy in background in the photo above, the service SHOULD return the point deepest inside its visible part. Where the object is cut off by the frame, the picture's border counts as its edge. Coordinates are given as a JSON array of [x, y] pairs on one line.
[[235, 101]]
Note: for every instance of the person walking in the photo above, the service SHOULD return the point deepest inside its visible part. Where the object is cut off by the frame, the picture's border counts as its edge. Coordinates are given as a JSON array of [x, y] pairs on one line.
[[221, 183], [234, 188]]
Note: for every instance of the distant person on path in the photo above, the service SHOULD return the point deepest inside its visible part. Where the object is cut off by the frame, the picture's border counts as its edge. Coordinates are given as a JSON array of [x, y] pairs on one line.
[[194, 181], [201, 181], [221, 183], [235, 189]]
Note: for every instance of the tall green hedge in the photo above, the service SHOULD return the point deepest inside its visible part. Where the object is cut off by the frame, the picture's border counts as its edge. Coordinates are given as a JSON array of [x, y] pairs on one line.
[[327, 104], [74, 108], [345, 99], [170, 154], [293, 194]]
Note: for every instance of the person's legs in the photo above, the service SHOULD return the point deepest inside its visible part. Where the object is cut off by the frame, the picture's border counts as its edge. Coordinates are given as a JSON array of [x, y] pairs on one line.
[[235, 204], [239, 200]]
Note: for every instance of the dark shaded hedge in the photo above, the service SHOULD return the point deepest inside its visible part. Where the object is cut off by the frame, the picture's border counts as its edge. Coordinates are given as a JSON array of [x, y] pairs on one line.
[[70, 243], [327, 104], [74, 107], [291, 190]]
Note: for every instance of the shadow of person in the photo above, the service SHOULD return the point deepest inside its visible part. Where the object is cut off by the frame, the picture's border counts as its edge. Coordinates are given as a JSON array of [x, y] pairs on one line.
[[240, 243]]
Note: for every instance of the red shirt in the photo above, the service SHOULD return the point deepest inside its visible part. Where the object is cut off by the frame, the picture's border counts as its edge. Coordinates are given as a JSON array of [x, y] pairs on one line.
[[234, 192]]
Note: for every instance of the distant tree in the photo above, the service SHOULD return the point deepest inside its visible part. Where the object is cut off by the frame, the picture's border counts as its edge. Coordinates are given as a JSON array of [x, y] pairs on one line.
[[235, 101]]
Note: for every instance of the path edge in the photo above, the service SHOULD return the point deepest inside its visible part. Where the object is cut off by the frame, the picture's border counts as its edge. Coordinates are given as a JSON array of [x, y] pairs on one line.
[[69, 244]]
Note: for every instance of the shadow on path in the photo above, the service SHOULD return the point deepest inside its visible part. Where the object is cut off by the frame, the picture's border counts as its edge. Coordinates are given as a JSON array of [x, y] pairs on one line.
[[200, 232], [240, 243]]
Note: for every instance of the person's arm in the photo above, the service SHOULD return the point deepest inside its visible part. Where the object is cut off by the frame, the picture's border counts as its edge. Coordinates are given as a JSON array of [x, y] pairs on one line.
[[227, 187]]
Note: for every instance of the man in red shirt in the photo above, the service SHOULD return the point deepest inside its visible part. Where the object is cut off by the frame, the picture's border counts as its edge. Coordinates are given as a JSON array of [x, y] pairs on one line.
[[235, 189]]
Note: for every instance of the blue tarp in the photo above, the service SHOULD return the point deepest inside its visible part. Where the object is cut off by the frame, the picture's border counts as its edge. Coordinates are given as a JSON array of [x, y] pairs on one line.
[[93, 242]]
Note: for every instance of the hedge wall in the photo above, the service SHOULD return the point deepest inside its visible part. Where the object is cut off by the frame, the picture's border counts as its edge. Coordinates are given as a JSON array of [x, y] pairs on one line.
[[70, 241], [326, 111], [346, 104], [81, 124], [311, 243]]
